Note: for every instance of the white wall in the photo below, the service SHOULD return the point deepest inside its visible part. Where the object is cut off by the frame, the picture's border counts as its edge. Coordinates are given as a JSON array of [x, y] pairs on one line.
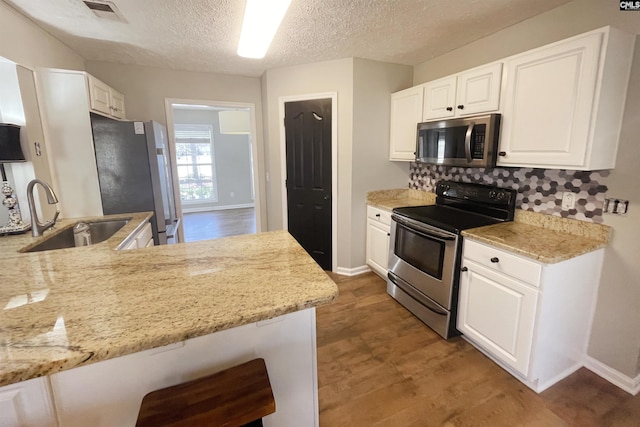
[[232, 157], [146, 88], [615, 337]]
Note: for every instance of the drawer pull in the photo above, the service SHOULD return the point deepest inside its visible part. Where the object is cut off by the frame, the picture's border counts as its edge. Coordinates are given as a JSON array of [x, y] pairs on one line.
[[377, 215], [463, 269], [495, 259]]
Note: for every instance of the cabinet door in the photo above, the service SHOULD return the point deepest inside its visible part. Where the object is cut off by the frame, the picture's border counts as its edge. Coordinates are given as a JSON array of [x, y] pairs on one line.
[[378, 247], [27, 403], [547, 104], [498, 314], [440, 99], [99, 95], [116, 103], [479, 90], [406, 113]]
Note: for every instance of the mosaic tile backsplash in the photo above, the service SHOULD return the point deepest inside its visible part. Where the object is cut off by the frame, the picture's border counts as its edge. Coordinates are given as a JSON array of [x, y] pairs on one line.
[[539, 190]]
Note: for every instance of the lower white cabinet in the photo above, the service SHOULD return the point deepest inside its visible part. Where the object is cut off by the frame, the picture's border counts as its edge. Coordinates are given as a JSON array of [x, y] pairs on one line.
[[141, 239], [27, 404], [531, 318], [378, 231]]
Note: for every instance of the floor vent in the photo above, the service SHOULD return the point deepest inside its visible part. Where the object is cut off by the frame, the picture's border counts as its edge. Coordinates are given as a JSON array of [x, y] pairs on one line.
[[105, 10]]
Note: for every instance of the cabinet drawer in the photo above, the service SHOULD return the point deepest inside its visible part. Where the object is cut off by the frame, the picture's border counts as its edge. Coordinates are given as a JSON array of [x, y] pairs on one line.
[[380, 215], [504, 262]]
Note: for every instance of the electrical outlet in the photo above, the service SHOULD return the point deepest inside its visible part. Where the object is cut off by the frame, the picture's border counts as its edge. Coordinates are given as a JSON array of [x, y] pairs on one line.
[[568, 201], [616, 206]]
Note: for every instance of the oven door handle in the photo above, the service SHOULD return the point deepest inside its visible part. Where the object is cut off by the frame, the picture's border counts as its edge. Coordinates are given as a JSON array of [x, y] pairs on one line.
[[467, 141], [410, 290], [421, 229]]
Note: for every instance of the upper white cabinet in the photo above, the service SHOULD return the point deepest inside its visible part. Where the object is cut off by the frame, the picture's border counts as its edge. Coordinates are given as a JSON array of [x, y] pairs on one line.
[[562, 104], [105, 100], [471, 92], [406, 113]]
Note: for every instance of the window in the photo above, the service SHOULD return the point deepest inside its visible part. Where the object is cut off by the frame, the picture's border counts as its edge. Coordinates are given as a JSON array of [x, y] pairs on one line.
[[195, 163]]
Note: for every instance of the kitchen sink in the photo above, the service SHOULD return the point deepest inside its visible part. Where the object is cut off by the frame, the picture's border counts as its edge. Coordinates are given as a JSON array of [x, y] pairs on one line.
[[100, 231]]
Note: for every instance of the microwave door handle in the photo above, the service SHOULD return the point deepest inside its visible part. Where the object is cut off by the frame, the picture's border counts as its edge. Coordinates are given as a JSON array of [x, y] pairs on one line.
[[467, 141]]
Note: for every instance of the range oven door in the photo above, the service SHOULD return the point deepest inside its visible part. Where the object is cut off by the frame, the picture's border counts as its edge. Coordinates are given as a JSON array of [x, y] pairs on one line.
[[424, 257]]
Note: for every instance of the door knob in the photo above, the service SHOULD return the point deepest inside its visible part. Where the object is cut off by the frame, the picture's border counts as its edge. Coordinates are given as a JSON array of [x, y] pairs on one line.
[[463, 269], [449, 108], [502, 154], [494, 259], [326, 197], [460, 107]]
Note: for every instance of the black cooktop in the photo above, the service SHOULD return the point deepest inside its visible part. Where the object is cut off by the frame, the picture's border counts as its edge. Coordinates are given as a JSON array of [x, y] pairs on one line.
[[460, 206]]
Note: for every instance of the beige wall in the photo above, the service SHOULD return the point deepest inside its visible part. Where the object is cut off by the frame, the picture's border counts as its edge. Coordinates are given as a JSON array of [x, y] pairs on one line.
[[330, 76], [615, 337], [363, 90], [146, 88], [24, 43], [373, 83]]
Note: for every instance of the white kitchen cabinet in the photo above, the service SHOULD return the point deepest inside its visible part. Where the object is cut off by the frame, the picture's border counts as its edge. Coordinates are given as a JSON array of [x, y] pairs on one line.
[[470, 92], [143, 238], [27, 404], [531, 318], [562, 104], [105, 100], [378, 231], [406, 113], [109, 393]]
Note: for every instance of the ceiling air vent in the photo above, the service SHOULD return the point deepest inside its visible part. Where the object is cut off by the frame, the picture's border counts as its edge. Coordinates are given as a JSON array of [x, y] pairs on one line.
[[105, 10]]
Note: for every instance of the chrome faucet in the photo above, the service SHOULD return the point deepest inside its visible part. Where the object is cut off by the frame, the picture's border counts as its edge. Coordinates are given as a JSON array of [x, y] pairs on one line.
[[36, 226]]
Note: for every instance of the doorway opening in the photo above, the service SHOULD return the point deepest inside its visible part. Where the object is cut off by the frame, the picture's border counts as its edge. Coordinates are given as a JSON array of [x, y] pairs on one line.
[[214, 153]]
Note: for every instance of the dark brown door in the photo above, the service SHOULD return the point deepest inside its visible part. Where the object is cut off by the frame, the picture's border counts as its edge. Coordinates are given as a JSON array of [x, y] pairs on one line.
[[308, 150]]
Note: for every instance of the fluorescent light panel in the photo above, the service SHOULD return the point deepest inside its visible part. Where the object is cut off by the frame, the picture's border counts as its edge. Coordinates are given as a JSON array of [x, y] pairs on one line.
[[261, 21]]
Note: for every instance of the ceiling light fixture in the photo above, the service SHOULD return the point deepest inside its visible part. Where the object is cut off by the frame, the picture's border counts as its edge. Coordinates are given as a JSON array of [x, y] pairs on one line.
[[261, 21]]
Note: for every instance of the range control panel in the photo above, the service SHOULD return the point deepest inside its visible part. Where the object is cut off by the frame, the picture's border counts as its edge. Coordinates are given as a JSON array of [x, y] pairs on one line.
[[479, 193]]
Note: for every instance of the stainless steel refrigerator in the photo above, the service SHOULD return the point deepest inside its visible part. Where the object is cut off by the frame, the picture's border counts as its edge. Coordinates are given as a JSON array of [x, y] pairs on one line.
[[134, 172]]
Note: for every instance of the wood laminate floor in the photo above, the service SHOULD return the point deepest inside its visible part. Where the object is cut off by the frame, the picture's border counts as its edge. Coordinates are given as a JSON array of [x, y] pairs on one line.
[[220, 223], [380, 366]]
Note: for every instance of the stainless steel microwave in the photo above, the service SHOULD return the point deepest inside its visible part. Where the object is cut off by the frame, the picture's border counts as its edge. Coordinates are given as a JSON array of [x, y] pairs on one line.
[[469, 141]]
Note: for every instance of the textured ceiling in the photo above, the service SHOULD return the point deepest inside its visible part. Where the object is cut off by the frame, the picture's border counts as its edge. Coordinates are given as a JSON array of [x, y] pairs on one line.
[[202, 35]]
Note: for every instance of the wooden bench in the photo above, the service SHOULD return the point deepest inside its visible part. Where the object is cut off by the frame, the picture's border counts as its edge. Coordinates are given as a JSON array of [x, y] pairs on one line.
[[235, 397]]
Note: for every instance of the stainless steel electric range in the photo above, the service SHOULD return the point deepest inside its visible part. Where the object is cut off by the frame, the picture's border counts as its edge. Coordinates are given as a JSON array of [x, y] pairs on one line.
[[426, 245]]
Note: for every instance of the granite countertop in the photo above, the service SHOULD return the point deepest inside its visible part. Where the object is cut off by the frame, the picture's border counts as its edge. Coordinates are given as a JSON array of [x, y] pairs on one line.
[[546, 238], [71, 307], [397, 198]]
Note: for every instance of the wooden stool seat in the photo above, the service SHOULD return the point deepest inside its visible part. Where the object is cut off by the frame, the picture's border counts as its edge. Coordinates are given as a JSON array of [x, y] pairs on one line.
[[231, 398]]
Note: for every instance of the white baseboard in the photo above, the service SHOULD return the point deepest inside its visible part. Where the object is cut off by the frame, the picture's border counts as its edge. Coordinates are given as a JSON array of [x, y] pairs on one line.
[[617, 378], [215, 208], [353, 271]]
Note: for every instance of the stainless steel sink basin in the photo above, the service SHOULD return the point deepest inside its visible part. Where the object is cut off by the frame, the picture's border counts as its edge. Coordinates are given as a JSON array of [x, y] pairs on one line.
[[100, 231]]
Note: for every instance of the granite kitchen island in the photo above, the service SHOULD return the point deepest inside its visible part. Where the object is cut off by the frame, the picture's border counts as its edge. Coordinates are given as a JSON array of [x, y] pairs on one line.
[[95, 329]]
